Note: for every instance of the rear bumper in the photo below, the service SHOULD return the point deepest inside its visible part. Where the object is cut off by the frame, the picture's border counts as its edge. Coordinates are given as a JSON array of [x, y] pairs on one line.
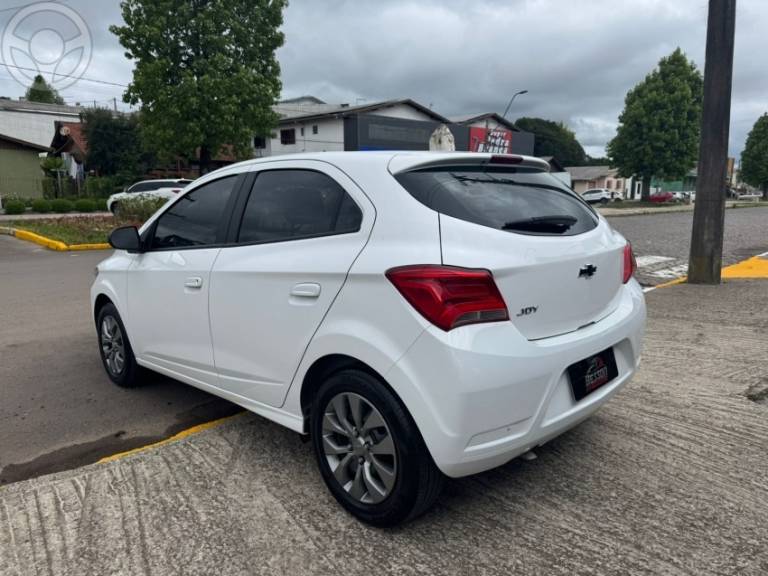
[[483, 394]]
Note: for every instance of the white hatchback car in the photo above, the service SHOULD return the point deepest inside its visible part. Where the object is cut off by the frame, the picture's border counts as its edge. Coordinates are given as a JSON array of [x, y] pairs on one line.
[[418, 314], [600, 195], [149, 189]]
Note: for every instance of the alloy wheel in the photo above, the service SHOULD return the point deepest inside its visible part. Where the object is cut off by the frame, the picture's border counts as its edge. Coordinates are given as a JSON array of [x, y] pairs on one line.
[[112, 345], [359, 448]]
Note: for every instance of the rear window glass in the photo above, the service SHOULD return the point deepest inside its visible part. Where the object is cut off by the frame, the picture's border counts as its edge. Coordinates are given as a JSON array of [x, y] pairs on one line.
[[518, 200]]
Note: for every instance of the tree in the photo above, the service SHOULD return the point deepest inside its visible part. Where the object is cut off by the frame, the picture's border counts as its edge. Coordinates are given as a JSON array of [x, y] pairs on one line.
[[205, 74], [115, 144], [554, 139], [658, 132], [41, 91], [754, 159]]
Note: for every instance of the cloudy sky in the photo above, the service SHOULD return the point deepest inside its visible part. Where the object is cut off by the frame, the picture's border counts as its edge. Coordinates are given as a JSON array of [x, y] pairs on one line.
[[577, 59]]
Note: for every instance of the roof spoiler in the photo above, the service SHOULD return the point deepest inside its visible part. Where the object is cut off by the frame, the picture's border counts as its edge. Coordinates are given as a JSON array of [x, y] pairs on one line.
[[407, 162]]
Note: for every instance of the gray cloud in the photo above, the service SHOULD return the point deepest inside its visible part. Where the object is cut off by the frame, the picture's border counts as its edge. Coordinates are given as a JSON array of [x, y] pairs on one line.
[[576, 58]]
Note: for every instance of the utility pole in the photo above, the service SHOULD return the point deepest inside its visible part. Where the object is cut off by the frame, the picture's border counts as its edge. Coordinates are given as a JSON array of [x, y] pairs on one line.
[[706, 255]]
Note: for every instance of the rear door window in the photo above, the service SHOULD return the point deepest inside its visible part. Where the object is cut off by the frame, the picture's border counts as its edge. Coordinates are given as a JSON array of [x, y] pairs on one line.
[[517, 200], [292, 204]]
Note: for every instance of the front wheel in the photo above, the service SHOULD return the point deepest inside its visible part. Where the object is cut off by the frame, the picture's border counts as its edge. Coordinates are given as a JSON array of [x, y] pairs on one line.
[[115, 348], [370, 452]]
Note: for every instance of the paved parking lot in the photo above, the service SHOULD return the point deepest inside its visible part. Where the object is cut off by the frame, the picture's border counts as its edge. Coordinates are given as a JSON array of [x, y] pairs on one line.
[[667, 478], [57, 407]]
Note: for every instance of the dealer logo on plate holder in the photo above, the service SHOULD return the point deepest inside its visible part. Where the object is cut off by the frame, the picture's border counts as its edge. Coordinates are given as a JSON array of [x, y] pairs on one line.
[[596, 375]]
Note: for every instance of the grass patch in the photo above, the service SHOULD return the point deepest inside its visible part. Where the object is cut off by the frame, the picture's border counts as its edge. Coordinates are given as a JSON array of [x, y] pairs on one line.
[[78, 230]]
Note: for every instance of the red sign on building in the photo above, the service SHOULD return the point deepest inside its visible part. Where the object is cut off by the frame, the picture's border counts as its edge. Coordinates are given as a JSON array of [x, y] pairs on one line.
[[496, 141]]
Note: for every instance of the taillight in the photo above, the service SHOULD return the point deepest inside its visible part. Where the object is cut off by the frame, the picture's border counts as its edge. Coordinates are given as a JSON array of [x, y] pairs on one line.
[[630, 264], [450, 297]]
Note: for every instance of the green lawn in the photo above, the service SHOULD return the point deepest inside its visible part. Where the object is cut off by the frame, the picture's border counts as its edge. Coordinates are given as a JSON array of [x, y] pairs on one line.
[[79, 230]]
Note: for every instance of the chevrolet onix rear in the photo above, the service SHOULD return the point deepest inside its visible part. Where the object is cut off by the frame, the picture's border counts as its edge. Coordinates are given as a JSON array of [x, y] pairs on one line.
[[417, 314]]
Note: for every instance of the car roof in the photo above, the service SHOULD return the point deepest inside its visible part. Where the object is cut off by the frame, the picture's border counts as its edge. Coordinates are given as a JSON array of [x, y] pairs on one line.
[[396, 160]]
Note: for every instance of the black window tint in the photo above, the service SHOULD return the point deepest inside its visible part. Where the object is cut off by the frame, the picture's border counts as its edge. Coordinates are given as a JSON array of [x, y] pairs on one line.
[[194, 219], [289, 204], [523, 201]]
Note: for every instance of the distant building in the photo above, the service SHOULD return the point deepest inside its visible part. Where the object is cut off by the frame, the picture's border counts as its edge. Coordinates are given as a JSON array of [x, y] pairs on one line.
[[490, 132], [32, 121], [20, 172], [587, 177], [308, 124]]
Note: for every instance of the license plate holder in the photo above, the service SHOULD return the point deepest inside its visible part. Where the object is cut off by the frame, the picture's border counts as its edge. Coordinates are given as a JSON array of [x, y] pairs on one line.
[[593, 372]]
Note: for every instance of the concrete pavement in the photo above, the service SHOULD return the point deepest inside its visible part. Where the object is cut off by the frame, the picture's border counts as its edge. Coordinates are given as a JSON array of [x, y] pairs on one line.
[[668, 478]]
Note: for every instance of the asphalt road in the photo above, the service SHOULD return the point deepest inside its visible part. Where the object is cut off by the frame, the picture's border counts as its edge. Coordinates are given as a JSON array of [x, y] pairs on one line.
[[58, 410], [668, 236]]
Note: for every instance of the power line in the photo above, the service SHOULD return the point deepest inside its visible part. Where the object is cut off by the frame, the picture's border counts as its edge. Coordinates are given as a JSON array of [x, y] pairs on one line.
[[67, 76]]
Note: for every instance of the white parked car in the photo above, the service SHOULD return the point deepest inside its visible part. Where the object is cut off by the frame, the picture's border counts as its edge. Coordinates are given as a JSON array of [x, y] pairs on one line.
[[167, 188], [600, 195], [417, 314]]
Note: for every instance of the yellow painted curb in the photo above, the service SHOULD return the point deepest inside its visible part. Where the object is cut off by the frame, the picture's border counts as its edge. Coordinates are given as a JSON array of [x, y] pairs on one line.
[[41, 240], [680, 280], [53, 244], [181, 435], [100, 246], [755, 267]]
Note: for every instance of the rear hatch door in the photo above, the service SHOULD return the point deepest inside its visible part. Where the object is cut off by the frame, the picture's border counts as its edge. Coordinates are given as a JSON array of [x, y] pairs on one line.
[[558, 267]]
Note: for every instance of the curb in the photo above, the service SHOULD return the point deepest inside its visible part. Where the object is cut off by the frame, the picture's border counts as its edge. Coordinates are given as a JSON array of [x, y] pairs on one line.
[[755, 267], [179, 436], [620, 212], [50, 243]]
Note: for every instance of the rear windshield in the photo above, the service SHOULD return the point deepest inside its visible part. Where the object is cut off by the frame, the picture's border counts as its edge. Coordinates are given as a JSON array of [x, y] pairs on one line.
[[517, 200]]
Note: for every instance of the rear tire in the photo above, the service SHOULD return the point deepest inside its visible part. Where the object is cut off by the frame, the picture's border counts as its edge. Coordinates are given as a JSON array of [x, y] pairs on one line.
[[115, 348], [370, 453], [115, 209]]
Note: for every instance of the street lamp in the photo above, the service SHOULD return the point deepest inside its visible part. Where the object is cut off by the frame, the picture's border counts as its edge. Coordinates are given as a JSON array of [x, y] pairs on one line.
[[515, 95]]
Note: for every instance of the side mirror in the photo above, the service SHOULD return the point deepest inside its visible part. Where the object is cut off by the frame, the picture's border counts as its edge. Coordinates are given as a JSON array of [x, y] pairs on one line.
[[125, 238]]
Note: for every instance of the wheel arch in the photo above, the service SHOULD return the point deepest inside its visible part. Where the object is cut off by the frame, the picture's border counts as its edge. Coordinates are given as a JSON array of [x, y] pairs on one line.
[[322, 368], [101, 301]]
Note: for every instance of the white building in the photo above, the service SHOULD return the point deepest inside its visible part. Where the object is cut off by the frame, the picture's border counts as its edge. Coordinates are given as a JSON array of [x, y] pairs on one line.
[[32, 121], [307, 124]]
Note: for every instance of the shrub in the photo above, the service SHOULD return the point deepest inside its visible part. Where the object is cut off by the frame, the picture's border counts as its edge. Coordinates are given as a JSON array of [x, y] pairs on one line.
[[100, 204], [101, 186], [61, 205], [85, 205], [14, 206], [28, 202], [41, 205], [138, 210]]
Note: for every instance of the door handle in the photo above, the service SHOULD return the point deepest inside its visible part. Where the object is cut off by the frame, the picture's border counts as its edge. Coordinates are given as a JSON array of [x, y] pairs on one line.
[[193, 282], [306, 290]]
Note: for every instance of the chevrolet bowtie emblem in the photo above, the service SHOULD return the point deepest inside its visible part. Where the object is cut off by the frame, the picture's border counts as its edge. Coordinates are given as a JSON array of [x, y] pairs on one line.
[[587, 271]]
